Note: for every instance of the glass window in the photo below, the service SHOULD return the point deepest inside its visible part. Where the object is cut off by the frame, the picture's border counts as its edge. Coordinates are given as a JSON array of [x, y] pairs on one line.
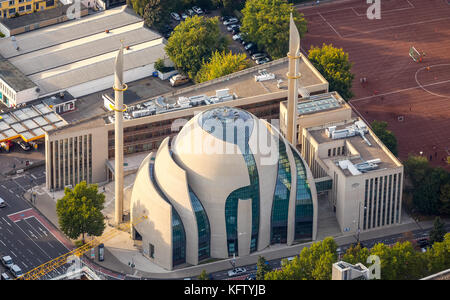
[[247, 193], [204, 233], [304, 210], [280, 209]]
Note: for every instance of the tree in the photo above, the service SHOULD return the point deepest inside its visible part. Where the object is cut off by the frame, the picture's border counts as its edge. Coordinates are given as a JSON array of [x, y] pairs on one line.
[[139, 6], [203, 276], [385, 135], [313, 263], [438, 232], [333, 64], [221, 64], [445, 200], [152, 13], [79, 211], [262, 267], [356, 254], [266, 22], [193, 42]]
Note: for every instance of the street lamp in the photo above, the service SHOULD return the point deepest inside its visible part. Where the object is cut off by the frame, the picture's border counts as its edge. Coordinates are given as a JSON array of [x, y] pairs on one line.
[[359, 221]]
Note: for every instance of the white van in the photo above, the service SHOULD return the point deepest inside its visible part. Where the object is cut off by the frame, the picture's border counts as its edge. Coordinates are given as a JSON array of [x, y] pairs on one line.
[[178, 79]]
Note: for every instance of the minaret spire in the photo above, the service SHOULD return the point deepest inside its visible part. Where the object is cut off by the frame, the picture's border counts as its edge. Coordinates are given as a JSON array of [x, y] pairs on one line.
[[293, 75], [119, 87]]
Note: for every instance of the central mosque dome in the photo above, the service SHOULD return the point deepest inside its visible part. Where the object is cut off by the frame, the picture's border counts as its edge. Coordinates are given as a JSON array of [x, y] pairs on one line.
[[227, 184]]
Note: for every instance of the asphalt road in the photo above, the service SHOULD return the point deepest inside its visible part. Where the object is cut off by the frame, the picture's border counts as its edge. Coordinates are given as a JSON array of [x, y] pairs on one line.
[[24, 234]]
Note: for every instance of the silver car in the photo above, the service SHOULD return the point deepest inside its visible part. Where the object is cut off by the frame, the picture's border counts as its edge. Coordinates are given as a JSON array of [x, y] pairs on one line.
[[2, 203], [7, 261], [16, 271], [237, 271]]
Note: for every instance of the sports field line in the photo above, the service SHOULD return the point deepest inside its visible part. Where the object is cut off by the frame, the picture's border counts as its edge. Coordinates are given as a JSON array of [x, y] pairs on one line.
[[353, 8], [339, 35], [396, 26], [402, 90]]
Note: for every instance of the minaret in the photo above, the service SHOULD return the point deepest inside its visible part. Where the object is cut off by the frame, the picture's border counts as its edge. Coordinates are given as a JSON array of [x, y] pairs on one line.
[[119, 87], [293, 75]]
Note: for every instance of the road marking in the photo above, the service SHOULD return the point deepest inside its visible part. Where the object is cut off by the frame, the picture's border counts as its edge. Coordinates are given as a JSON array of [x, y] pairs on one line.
[[2, 243], [21, 242], [13, 253], [34, 242], [33, 176]]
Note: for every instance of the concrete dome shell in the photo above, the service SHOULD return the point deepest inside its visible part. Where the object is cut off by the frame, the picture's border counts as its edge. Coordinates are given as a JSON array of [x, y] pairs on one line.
[[229, 161]]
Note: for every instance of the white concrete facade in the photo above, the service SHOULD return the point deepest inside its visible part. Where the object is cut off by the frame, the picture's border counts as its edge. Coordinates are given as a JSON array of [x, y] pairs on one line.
[[214, 175]]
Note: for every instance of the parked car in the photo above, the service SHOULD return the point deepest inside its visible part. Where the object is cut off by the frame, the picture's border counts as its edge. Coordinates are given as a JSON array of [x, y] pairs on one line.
[[184, 16], [5, 276], [197, 10], [190, 12], [233, 27], [225, 18], [2, 203], [175, 16], [25, 146], [258, 55], [236, 272], [237, 37], [251, 277], [252, 51], [16, 271], [7, 261], [231, 21], [178, 79], [7, 145], [262, 60], [250, 46]]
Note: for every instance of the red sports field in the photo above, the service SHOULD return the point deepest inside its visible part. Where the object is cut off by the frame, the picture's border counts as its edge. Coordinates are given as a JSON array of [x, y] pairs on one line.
[[413, 97]]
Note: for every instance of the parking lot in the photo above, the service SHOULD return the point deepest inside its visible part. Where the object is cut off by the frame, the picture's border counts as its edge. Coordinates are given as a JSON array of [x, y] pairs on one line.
[[235, 46], [25, 235]]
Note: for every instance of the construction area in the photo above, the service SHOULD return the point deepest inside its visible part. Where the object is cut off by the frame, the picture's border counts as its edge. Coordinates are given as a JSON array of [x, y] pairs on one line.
[[410, 92]]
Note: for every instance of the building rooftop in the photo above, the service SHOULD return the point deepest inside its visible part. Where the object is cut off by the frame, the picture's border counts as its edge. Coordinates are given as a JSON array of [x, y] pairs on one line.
[[29, 123], [365, 153], [37, 17], [318, 103], [14, 77], [68, 31], [68, 54], [228, 88]]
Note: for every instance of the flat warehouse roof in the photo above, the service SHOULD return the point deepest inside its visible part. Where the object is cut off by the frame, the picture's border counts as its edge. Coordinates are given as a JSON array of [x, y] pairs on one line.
[[69, 54], [97, 67], [84, 48], [68, 31], [14, 77]]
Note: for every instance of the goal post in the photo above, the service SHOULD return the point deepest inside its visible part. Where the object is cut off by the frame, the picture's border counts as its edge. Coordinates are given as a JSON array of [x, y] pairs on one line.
[[414, 54]]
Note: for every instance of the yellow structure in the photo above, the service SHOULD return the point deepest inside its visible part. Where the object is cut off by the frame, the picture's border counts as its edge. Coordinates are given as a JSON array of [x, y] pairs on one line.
[[9, 8]]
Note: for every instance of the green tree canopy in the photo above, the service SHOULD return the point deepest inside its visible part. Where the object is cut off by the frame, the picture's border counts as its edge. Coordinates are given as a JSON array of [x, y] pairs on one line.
[[266, 22], [79, 211], [221, 64], [152, 13], [193, 42], [203, 275], [262, 268], [334, 65], [386, 136], [313, 263], [430, 193], [438, 232]]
